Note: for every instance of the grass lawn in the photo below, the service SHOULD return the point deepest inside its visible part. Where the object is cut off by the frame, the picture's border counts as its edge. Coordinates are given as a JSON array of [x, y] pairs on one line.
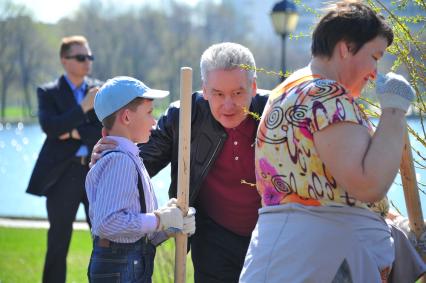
[[22, 256], [18, 114]]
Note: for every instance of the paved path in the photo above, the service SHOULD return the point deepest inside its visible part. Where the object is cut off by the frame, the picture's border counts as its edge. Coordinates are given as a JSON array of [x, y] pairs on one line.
[[28, 223]]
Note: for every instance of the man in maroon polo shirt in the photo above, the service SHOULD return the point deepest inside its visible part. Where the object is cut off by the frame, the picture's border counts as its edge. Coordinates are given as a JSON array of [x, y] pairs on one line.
[[222, 160]]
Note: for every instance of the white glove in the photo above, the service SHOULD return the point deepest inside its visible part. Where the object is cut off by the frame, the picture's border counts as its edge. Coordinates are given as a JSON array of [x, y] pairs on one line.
[[189, 222], [171, 202], [393, 91], [171, 219]]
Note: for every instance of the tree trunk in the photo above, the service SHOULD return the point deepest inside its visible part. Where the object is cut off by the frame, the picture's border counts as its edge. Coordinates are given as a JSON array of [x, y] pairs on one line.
[[3, 100]]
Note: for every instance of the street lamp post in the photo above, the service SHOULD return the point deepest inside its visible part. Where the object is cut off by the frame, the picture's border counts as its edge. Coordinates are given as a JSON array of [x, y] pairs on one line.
[[284, 19]]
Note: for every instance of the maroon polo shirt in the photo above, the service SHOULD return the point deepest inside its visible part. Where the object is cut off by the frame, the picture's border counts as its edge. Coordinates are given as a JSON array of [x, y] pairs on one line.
[[223, 197]]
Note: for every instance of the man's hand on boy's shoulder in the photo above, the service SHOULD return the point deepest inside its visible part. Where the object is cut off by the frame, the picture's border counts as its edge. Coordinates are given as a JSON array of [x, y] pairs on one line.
[[103, 144]]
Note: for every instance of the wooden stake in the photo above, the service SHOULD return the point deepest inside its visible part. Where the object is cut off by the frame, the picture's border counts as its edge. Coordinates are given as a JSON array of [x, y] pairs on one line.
[[411, 191], [183, 168]]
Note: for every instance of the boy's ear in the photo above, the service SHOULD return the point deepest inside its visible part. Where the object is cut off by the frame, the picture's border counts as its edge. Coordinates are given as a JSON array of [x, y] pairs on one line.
[[124, 116]]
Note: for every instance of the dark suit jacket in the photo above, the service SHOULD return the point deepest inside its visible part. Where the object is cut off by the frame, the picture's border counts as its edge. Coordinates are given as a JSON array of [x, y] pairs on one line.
[[59, 113]]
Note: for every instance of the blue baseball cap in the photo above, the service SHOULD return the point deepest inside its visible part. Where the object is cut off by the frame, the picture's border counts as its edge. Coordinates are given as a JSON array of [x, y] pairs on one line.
[[119, 91]]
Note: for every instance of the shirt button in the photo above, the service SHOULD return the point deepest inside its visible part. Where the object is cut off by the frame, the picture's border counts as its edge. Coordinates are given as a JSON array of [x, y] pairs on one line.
[[236, 158], [235, 142]]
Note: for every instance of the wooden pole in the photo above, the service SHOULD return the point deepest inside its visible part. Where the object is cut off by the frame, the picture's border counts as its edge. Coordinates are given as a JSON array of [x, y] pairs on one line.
[[183, 168], [411, 191]]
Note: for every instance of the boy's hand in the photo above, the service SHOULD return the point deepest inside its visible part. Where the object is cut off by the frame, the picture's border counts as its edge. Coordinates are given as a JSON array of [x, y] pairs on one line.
[[102, 145], [170, 219], [171, 202], [189, 222]]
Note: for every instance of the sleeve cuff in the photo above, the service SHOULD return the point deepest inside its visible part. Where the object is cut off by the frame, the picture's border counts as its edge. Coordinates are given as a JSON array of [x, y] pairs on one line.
[[149, 221], [159, 238]]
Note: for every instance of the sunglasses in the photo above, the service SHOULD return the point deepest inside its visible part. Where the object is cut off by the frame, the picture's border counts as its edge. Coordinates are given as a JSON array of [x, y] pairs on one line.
[[81, 57]]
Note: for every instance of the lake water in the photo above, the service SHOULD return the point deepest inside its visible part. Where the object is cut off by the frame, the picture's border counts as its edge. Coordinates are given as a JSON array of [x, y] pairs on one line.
[[19, 148]]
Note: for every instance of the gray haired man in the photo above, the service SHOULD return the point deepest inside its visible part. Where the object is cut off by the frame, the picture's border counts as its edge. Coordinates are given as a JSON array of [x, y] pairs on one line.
[[222, 160]]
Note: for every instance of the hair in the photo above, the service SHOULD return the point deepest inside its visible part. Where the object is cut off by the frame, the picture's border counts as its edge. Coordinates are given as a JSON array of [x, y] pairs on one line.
[[227, 56], [350, 21], [109, 121], [69, 41]]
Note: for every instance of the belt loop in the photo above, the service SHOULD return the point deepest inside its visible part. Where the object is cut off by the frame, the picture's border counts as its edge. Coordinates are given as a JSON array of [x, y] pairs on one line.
[[104, 243]]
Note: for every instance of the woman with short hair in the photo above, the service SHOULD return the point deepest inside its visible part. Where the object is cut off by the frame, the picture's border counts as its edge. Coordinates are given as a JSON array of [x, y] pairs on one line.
[[320, 166]]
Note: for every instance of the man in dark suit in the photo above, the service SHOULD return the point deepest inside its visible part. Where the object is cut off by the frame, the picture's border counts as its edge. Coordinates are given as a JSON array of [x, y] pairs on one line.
[[67, 118]]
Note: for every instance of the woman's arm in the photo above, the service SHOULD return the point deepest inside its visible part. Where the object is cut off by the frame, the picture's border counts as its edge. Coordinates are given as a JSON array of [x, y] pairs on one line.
[[364, 166]]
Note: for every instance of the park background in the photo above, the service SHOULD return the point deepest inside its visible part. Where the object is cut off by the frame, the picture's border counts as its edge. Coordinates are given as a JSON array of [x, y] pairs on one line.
[[149, 40]]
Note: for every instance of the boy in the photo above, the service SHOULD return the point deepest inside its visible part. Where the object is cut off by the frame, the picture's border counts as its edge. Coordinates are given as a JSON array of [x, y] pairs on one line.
[[126, 224]]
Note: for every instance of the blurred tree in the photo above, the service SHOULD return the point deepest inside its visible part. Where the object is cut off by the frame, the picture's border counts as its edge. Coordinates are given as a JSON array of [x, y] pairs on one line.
[[8, 53], [25, 57], [32, 55], [152, 44]]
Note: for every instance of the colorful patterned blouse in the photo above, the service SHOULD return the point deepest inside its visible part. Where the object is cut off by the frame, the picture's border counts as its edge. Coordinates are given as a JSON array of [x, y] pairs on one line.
[[288, 168]]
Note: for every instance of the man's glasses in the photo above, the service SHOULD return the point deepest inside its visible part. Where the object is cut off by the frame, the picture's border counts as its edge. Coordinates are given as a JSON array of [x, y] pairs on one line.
[[81, 57]]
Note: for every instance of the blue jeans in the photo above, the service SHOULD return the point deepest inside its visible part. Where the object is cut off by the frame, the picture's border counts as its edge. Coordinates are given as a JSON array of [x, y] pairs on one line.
[[132, 263]]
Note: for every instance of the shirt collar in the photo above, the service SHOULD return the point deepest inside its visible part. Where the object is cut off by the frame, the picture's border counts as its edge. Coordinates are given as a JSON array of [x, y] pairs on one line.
[[241, 127], [126, 145], [74, 88]]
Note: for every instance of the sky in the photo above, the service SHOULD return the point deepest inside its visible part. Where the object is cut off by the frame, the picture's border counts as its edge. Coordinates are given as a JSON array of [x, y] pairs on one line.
[[50, 11]]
